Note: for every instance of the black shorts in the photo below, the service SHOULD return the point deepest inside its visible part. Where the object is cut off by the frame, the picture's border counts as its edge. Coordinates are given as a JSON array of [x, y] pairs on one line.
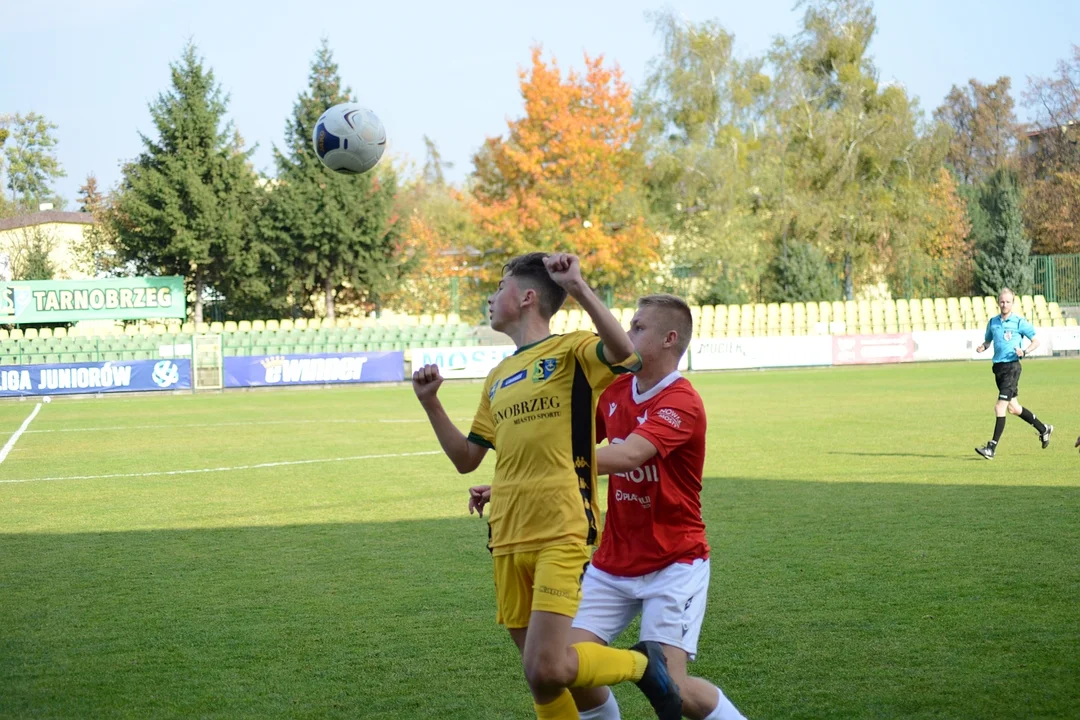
[[1007, 376]]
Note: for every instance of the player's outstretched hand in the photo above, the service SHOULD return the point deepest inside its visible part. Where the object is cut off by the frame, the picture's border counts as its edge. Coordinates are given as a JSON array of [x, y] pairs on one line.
[[479, 496], [564, 269], [426, 382]]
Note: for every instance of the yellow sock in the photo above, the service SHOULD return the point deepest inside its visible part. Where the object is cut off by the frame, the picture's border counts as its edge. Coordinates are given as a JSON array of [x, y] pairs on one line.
[[599, 665], [561, 708]]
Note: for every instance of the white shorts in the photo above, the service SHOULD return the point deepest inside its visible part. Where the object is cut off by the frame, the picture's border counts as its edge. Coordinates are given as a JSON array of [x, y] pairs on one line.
[[671, 602]]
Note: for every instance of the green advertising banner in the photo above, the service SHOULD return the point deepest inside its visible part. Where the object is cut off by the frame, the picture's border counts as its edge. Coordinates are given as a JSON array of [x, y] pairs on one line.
[[47, 301]]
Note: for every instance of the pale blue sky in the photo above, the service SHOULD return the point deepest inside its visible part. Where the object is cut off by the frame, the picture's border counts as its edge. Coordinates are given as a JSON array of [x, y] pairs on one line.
[[448, 69]]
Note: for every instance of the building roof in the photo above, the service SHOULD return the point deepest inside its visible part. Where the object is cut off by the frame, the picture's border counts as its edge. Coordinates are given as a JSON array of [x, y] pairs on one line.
[[45, 218]]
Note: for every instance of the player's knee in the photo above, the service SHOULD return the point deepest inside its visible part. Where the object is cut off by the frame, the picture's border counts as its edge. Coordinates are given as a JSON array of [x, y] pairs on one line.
[[1015, 409], [548, 671]]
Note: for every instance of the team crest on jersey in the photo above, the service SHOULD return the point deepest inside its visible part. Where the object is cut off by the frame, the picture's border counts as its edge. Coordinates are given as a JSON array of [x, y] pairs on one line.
[[1008, 335], [516, 377], [542, 369]]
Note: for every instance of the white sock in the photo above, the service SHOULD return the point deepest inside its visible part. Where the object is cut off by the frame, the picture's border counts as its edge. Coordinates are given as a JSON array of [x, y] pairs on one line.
[[608, 711], [724, 709]]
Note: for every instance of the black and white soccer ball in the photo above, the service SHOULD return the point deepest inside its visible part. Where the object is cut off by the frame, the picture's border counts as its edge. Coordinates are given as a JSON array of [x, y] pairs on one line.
[[349, 138]]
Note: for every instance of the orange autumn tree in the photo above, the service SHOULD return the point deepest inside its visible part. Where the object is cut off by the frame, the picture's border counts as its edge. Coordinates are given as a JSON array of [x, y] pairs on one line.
[[559, 179], [440, 242], [948, 226], [945, 237]]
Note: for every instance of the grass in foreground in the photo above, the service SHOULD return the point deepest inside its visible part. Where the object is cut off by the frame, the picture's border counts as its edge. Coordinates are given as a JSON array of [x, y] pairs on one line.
[[866, 563]]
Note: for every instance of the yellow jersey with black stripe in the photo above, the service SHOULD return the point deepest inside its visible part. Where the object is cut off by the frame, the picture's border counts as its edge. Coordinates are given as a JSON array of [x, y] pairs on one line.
[[537, 413]]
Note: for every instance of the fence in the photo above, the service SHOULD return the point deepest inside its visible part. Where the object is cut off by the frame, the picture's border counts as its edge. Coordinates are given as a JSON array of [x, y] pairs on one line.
[[1058, 278]]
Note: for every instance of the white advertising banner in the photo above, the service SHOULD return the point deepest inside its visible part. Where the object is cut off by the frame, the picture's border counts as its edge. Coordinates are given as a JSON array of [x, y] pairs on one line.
[[1065, 339], [462, 362], [761, 352], [949, 345]]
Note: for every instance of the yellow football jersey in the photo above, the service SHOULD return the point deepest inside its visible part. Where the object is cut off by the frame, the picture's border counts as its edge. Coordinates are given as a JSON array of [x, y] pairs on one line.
[[538, 412]]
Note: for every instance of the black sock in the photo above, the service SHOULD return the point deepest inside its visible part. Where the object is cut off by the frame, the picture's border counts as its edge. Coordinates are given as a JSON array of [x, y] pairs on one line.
[[999, 427], [1029, 417]]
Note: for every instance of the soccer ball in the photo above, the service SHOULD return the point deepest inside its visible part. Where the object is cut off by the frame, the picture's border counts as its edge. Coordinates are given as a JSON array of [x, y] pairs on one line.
[[349, 139]]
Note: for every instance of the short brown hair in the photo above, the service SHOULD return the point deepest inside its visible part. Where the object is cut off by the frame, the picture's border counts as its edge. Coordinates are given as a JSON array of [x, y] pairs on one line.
[[530, 268], [679, 312]]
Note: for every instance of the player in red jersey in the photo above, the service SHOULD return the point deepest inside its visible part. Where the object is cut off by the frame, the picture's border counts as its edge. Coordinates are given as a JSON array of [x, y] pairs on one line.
[[653, 558]]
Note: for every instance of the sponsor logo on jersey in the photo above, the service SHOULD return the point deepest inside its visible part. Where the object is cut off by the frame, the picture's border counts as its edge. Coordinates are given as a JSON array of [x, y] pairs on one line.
[[670, 416], [542, 369], [516, 377]]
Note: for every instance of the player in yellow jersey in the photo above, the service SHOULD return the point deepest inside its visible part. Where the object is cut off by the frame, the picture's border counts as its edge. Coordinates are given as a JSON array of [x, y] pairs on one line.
[[537, 412]]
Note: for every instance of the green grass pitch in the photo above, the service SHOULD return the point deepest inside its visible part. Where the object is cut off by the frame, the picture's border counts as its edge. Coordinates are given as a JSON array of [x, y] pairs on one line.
[[307, 553]]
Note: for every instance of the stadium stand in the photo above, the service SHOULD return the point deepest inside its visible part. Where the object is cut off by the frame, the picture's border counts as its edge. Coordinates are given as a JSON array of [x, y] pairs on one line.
[[99, 342]]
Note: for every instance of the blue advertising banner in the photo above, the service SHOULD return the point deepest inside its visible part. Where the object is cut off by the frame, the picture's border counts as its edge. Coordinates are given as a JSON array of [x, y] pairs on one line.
[[97, 377], [332, 368]]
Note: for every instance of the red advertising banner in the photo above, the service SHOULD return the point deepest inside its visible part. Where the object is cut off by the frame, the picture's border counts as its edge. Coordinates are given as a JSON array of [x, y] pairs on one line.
[[871, 349]]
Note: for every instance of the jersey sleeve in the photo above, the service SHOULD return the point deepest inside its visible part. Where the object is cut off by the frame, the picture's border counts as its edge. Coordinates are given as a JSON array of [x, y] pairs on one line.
[[482, 432], [589, 353], [988, 337], [671, 423], [601, 420], [1026, 329]]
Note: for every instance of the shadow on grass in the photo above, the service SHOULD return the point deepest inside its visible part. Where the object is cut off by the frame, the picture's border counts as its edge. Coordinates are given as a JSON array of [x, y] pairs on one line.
[[894, 454], [827, 601]]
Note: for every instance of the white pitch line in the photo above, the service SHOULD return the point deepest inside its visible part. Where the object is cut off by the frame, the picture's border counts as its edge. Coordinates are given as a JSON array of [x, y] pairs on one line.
[[195, 471], [15, 437], [236, 424]]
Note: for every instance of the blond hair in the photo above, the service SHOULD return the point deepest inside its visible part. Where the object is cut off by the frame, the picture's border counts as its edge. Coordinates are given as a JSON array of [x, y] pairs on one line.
[[678, 312]]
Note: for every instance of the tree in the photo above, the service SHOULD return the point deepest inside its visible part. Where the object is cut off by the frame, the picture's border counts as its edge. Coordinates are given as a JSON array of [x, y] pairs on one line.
[[337, 234], [6, 208], [96, 254], [984, 128], [29, 254], [1051, 168], [561, 179], [859, 165], [801, 272], [711, 157], [186, 205], [1003, 260], [948, 224], [441, 244], [31, 162]]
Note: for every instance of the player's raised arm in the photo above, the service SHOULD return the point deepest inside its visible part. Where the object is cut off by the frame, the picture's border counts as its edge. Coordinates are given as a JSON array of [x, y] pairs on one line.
[[465, 455], [565, 269]]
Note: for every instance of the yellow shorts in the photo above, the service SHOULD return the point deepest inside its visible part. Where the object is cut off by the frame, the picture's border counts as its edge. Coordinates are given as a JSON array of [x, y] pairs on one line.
[[548, 580]]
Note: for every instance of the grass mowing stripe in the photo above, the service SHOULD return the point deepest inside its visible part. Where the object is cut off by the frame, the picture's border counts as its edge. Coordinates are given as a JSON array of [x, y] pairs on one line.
[[111, 428], [259, 466]]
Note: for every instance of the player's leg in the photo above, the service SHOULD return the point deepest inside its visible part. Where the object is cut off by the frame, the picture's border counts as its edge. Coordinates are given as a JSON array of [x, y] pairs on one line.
[[1025, 414], [673, 610], [551, 665], [701, 699], [1000, 409], [514, 579], [593, 703], [607, 606]]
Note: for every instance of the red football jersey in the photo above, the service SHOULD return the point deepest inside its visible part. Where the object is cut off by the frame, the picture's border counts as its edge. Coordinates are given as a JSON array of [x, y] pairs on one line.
[[654, 512]]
